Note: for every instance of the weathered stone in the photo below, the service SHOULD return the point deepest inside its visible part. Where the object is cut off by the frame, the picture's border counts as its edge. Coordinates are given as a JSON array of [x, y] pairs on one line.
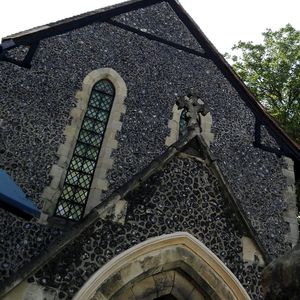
[[281, 278]]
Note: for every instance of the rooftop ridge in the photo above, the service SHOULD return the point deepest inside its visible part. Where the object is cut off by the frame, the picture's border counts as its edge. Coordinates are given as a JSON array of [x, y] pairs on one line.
[[37, 33], [34, 35]]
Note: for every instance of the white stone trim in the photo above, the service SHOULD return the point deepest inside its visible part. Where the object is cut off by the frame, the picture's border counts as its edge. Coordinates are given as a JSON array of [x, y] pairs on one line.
[[289, 195], [58, 172], [173, 124], [250, 252], [163, 253], [30, 291]]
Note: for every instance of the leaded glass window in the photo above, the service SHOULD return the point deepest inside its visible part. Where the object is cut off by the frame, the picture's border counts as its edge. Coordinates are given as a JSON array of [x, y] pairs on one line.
[[75, 192], [183, 123]]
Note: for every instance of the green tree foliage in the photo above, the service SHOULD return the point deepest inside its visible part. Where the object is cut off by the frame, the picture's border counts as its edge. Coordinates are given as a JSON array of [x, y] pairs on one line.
[[272, 72]]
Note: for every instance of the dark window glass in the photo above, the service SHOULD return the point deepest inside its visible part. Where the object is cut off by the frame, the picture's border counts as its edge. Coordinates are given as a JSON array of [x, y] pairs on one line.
[[183, 123], [73, 199]]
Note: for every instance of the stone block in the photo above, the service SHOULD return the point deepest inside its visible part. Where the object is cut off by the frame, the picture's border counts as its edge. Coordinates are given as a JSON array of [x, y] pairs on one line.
[[99, 184], [70, 131], [93, 200], [43, 218], [250, 252], [131, 272], [151, 264], [164, 282], [36, 292], [77, 113], [182, 288], [290, 176], [116, 125], [196, 295], [120, 212], [111, 286], [87, 85], [78, 95], [125, 295], [145, 289], [289, 163], [18, 292], [63, 150], [99, 296], [113, 144], [103, 165], [170, 257], [58, 174], [49, 193]]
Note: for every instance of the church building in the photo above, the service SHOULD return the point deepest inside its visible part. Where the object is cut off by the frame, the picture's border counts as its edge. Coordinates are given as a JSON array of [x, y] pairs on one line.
[[136, 165]]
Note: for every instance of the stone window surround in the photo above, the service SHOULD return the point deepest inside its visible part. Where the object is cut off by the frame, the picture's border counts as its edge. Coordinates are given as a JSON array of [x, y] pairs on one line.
[[289, 195], [58, 171], [151, 258], [173, 124]]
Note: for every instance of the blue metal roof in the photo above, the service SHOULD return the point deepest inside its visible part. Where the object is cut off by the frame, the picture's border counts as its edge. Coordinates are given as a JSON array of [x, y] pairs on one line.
[[11, 194]]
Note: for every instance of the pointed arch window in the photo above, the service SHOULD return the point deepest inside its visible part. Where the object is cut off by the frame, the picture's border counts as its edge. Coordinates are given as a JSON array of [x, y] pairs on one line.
[[183, 122], [73, 199]]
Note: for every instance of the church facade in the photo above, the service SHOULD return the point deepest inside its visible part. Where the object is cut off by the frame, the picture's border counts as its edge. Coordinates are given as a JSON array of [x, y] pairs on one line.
[[150, 170]]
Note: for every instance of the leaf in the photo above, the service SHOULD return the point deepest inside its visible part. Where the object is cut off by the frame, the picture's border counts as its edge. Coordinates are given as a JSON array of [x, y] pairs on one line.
[[271, 70]]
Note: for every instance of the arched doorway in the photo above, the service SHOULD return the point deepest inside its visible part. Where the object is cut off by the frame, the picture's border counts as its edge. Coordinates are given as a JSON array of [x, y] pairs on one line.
[[175, 266]]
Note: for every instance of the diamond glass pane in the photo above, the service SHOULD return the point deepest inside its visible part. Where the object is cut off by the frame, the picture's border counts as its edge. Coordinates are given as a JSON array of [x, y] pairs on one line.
[[91, 153], [84, 150], [94, 126], [100, 101], [105, 102], [80, 149], [84, 181], [102, 116], [105, 86], [68, 192], [90, 138], [74, 196], [80, 196], [95, 99], [72, 177], [75, 212], [63, 208], [92, 113], [88, 124], [99, 127], [88, 166], [76, 163]]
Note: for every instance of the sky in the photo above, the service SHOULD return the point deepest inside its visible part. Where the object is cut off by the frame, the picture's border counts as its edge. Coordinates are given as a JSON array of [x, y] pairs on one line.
[[223, 22]]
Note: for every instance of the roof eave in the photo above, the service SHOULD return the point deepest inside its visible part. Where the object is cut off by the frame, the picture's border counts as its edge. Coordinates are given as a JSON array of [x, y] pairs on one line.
[[37, 33], [34, 35], [234, 78]]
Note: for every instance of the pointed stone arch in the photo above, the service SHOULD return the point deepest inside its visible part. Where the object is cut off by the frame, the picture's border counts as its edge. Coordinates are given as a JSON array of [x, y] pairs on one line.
[[177, 264]]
